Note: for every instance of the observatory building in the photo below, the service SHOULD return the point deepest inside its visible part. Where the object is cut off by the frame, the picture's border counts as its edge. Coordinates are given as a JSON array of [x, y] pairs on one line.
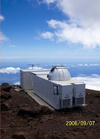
[[55, 86]]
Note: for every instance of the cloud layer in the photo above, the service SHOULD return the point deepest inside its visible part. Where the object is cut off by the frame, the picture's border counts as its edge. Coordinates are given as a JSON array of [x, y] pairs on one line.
[[92, 82], [10, 70], [83, 25], [35, 68]]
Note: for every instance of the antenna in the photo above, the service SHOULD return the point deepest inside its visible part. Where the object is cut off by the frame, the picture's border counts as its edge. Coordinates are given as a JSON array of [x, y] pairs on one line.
[[33, 65]]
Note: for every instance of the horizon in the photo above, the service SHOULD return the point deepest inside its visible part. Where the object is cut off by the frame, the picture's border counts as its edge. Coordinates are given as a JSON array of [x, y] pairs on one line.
[[88, 73]]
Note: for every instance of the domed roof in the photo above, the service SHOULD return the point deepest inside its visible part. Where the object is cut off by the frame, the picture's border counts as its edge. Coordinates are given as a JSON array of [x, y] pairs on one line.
[[59, 73]]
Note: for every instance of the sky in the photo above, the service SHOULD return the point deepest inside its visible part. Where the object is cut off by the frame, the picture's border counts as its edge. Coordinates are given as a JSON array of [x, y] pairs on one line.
[[50, 29]]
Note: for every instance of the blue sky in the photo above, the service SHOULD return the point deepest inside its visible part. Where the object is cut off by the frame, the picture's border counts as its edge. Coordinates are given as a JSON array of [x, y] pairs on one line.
[[50, 30]]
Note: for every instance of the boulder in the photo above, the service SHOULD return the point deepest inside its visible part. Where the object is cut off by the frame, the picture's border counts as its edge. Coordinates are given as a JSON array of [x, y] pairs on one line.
[[6, 87], [6, 96], [18, 135], [46, 110], [28, 110], [4, 107]]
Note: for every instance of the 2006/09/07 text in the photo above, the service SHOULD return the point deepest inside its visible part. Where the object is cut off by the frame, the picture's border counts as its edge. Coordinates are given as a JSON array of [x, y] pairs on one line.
[[80, 123]]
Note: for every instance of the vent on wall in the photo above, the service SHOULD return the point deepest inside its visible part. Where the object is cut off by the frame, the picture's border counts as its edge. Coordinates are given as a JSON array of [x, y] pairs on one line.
[[79, 100], [66, 103]]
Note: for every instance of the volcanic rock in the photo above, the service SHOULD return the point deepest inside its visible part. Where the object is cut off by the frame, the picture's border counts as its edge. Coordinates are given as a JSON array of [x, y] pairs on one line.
[[6, 95], [4, 107], [28, 110], [18, 136], [6, 87], [23, 118]]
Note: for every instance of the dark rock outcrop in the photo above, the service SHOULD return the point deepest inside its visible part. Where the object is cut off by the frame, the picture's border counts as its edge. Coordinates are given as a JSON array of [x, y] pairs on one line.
[[5, 106], [6, 87], [18, 135], [5, 95]]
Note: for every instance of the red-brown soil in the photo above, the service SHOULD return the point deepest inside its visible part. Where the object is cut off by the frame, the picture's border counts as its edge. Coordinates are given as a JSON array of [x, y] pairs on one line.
[[23, 118]]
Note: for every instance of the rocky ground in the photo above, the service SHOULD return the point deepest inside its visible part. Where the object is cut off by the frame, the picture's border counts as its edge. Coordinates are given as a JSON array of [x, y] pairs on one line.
[[23, 118]]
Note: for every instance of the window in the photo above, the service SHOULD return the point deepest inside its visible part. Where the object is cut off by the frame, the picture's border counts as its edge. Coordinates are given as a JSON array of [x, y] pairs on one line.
[[55, 90]]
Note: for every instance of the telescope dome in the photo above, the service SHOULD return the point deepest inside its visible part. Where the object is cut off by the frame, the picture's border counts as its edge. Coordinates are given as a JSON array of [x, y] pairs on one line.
[[59, 73]]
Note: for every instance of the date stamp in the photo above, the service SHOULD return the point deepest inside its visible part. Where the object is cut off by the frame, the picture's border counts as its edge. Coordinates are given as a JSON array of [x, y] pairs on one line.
[[80, 123]]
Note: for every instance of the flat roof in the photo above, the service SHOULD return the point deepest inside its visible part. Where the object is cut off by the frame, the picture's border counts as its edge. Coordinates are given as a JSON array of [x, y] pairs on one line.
[[61, 82], [41, 72], [34, 70]]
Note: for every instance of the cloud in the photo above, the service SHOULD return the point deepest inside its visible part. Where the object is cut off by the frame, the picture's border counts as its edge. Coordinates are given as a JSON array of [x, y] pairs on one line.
[[1, 18], [12, 46], [85, 64], [86, 12], [3, 37], [47, 35], [83, 25], [90, 65], [49, 1], [10, 70], [9, 57], [16, 83], [80, 64], [95, 64], [64, 31], [92, 82], [35, 68]]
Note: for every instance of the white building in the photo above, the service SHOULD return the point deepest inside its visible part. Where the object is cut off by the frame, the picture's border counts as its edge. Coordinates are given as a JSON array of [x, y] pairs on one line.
[[55, 86]]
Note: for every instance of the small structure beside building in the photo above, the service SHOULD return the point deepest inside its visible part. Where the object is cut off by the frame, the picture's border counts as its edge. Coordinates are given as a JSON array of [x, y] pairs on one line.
[[26, 77]]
